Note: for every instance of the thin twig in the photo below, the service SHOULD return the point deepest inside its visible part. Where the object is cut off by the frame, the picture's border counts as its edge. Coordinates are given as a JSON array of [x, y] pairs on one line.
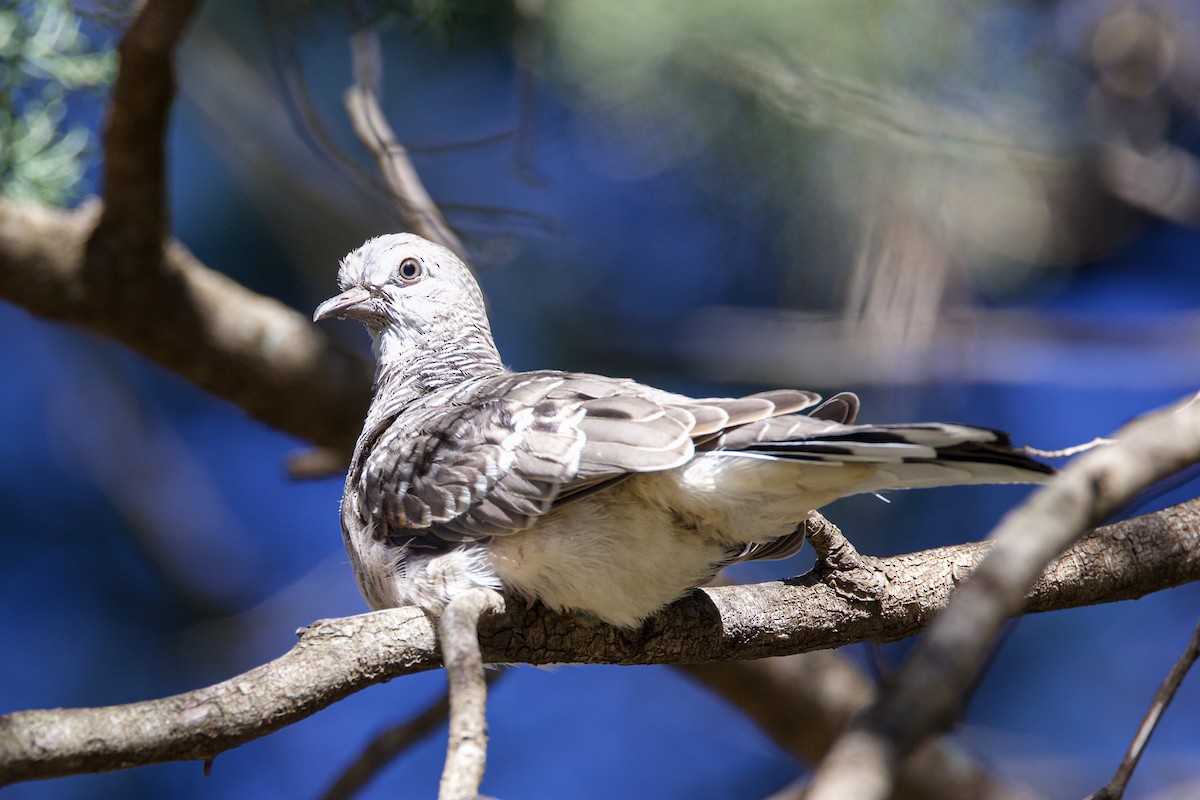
[[1162, 698], [466, 750], [943, 667], [1067, 452], [391, 743], [307, 122], [306, 119], [415, 207]]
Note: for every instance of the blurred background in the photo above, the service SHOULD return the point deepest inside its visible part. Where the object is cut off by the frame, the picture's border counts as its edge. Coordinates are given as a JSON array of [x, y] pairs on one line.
[[977, 211]]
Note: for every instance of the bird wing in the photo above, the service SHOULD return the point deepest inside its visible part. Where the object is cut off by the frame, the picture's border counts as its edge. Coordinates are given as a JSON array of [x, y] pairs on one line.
[[494, 456]]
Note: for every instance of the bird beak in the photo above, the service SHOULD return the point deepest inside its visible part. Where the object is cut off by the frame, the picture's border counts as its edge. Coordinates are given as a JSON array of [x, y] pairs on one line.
[[354, 302]]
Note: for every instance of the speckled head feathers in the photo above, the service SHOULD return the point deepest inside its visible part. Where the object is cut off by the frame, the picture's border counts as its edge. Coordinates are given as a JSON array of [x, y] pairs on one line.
[[415, 297], [403, 279]]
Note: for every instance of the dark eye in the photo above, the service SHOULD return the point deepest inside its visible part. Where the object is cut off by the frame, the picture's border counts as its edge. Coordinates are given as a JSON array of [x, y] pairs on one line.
[[410, 270]]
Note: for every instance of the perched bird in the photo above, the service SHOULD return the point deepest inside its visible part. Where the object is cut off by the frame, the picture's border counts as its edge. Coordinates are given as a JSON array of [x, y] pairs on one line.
[[581, 491]]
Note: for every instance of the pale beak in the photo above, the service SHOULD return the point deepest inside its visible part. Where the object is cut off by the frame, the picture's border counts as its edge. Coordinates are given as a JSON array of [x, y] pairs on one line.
[[354, 302]]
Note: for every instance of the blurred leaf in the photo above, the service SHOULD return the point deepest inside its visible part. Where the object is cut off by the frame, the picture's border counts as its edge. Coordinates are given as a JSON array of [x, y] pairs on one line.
[[44, 56]]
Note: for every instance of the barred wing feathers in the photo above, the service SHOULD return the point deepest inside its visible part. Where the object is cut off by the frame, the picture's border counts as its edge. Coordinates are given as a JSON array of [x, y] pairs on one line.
[[491, 455], [495, 455]]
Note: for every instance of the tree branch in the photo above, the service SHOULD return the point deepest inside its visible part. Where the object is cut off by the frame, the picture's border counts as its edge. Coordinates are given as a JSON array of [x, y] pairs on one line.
[[1115, 788], [243, 347], [134, 157], [123, 262], [804, 701], [942, 667], [466, 751], [248, 349], [111, 268], [390, 743], [337, 657]]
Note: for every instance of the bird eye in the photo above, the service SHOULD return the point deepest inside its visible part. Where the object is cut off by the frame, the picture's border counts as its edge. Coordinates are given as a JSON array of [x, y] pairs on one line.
[[410, 270]]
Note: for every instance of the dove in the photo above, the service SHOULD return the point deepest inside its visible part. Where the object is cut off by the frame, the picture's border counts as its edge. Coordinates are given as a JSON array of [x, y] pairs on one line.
[[583, 492]]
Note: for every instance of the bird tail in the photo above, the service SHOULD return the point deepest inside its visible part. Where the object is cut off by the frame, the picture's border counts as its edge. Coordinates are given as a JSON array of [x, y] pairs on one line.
[[911, 456]]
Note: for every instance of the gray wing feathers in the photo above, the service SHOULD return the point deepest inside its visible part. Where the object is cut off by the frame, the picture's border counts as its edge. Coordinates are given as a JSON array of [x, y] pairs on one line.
[[707, 419], [654, 428], [492, 455], [789, 401], [476, 469], [772, 429]]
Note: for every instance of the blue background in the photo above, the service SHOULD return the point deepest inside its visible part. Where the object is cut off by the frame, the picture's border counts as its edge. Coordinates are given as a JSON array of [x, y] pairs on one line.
[[152, 542]]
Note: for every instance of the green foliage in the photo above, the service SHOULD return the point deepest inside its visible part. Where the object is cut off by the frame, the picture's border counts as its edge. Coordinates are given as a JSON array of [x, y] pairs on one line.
[[44, 56]]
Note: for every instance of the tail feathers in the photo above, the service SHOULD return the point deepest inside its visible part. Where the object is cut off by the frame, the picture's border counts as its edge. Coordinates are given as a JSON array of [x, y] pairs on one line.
[[915, 455], [842, 460]]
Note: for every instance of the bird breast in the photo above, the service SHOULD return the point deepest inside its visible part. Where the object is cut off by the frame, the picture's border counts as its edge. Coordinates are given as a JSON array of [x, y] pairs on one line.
[[624, 552]]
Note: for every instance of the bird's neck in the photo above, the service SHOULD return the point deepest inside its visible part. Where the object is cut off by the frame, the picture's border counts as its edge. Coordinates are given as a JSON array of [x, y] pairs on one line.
[[410, 370]]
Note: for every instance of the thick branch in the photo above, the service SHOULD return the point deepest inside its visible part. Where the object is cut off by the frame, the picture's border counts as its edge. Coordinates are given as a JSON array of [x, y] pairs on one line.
[[946, 663], [337, 657], [123, 265], [111, 268], [241, 346], [134, 156]]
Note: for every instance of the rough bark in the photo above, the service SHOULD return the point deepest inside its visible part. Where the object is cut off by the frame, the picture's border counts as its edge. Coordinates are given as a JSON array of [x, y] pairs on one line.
[[251, 350], [336, 657]]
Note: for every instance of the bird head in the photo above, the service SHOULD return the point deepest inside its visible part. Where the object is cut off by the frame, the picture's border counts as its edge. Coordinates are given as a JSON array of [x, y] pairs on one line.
[[408, 292], [401, 279]]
